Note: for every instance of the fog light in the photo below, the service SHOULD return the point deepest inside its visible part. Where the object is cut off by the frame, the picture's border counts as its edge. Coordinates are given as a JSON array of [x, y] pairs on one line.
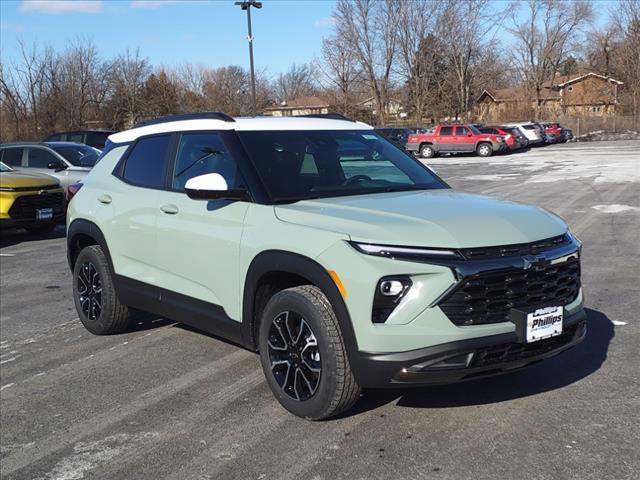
[[389, 292], [391, 288]]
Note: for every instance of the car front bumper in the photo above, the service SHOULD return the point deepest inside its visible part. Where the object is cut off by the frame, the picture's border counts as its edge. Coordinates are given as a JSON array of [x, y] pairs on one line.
[[463, 360]]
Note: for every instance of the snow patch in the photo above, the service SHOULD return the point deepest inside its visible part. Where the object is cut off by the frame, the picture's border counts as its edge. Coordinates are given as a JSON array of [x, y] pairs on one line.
[[88, 455], [615, 208]]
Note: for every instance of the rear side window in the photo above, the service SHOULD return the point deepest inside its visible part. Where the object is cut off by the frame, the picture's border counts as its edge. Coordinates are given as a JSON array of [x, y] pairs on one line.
[[40, 158], [75, 137], [12, 157], [529, 127], [446, 131], [54, 138], [147, 163]]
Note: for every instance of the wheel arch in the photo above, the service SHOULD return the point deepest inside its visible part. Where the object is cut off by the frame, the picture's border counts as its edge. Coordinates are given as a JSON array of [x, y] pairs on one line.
[[292, 270], [83, 233]]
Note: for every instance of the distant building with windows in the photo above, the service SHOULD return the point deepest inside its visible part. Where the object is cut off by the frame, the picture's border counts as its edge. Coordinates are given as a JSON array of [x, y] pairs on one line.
[[308, 105], [584, 94]]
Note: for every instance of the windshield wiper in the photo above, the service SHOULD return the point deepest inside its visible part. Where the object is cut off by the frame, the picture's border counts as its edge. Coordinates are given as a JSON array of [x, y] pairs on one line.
[[209, 152]]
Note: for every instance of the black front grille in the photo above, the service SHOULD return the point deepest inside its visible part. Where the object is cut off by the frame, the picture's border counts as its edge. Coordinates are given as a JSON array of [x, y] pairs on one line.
[[512, 352], [489, 297], [517, 250], [24, 207]]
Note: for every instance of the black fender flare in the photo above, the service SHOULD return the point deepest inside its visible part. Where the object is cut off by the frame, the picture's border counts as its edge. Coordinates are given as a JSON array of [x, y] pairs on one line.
[[270, 261], [81, 226]]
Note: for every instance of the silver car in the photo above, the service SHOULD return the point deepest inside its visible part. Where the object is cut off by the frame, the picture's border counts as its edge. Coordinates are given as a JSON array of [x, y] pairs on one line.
[[69, 162]]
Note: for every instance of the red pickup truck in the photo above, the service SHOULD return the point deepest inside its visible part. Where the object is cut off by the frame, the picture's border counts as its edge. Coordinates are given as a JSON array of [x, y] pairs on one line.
[[455, 139]]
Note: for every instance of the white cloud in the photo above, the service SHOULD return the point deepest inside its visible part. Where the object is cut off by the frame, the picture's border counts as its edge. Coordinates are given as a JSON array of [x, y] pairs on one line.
[[325, 22], [151, 4], [61, 6]]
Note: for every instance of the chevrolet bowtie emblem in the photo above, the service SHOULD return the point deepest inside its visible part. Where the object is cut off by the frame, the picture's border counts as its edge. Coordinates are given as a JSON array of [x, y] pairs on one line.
[[530, 260]]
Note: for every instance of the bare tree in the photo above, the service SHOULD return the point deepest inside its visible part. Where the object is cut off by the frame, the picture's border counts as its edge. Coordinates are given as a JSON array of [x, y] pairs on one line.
[[420, 54], [369, 29], [340, 73], [467, 26], [626, 21], [296, 82], [129, 74], [544, 39]]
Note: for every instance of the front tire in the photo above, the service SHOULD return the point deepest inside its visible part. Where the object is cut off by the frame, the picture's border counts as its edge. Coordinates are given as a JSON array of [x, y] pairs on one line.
[[484, 150], [94, 294], [427, 151], [303, 355]]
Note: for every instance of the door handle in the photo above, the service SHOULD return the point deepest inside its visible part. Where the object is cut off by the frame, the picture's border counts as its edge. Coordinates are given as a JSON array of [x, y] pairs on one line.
[[169, 208], [106, 199]]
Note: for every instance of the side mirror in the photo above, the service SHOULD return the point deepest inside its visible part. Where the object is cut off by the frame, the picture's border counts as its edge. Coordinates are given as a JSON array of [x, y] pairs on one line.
[[469, 135], [212, 186], [56, 165]]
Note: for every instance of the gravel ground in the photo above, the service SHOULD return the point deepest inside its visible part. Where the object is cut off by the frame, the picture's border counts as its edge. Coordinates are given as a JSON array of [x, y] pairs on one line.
[[163, 401]]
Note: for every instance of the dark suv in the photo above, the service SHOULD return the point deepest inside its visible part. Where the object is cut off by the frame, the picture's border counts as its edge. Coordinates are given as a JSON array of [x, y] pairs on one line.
[[93, 138], [398, 136]]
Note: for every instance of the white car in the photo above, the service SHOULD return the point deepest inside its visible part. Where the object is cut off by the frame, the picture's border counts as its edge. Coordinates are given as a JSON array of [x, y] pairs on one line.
[[529, 130]]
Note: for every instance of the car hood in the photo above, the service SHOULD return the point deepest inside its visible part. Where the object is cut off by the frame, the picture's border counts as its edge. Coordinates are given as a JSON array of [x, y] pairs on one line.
[[17, 179], [434, 218]]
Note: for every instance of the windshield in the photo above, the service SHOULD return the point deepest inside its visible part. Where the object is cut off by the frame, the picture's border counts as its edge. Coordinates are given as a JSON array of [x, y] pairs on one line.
[[79, 155], [297, 165]]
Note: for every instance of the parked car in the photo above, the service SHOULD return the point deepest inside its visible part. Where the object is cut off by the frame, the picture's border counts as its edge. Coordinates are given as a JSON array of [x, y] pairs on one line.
[[561, 134], [30, 200], [341, 273], [510, 138], [93, 138], [398, 136], [529, 130], [68, 162], [455, 139]]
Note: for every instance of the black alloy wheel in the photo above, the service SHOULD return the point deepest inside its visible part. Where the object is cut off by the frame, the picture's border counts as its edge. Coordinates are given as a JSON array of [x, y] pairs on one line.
[[294, 354], [89, 291]]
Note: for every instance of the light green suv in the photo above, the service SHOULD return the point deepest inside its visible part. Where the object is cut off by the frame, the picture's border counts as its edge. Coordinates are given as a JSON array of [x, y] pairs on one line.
[[340, 258]]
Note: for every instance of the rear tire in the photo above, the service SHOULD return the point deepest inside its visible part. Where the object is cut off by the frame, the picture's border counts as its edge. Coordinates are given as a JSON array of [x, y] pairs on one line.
[[427, 151], [94, 294], [484, 150], [41, 229], [303, 355]]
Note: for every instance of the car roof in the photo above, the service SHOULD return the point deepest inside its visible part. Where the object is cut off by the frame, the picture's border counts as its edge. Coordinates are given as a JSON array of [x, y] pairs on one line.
[[95, 130], [42, 144], [239, 124]]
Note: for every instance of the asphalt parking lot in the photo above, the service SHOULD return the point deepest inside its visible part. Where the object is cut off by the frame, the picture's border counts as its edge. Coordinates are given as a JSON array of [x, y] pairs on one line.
[[164, 401]]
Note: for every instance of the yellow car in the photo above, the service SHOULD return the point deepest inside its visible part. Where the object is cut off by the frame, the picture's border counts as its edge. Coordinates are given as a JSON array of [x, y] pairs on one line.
[[33, 201]]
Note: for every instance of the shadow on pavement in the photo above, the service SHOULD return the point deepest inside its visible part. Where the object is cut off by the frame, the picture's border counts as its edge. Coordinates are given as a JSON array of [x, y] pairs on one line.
[[16, 236], [556, 372]]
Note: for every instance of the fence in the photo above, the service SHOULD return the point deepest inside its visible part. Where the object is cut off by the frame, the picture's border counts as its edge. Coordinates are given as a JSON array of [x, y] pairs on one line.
[[612, 123]]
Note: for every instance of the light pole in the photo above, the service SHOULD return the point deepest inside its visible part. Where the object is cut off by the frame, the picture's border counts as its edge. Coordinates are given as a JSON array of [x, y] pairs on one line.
[[246, 5]]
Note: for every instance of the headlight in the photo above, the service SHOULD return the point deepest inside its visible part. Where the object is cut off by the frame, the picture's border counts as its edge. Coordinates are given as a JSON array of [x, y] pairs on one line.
[[404, 253]]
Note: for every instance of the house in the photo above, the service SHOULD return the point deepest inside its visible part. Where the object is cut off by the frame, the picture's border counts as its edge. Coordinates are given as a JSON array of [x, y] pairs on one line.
[[308, 105], [395, 109], [584, 94]]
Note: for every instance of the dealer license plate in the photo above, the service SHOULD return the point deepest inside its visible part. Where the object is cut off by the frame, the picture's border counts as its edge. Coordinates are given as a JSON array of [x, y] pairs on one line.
[[544, 323], [44, 213]]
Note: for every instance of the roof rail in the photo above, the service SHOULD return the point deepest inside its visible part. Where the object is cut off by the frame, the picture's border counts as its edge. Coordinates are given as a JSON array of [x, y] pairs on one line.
[[330, 116], [186, 116]]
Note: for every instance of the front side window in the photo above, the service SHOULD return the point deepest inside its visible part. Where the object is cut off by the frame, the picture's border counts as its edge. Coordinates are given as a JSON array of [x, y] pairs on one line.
[[12, 156], [202, 153], [147, 162], [296, 165], [75, 137], [461, 131], [40, 158]]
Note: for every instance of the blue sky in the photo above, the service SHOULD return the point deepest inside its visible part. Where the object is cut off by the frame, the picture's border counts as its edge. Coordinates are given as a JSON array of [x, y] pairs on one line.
[[172, 32]]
